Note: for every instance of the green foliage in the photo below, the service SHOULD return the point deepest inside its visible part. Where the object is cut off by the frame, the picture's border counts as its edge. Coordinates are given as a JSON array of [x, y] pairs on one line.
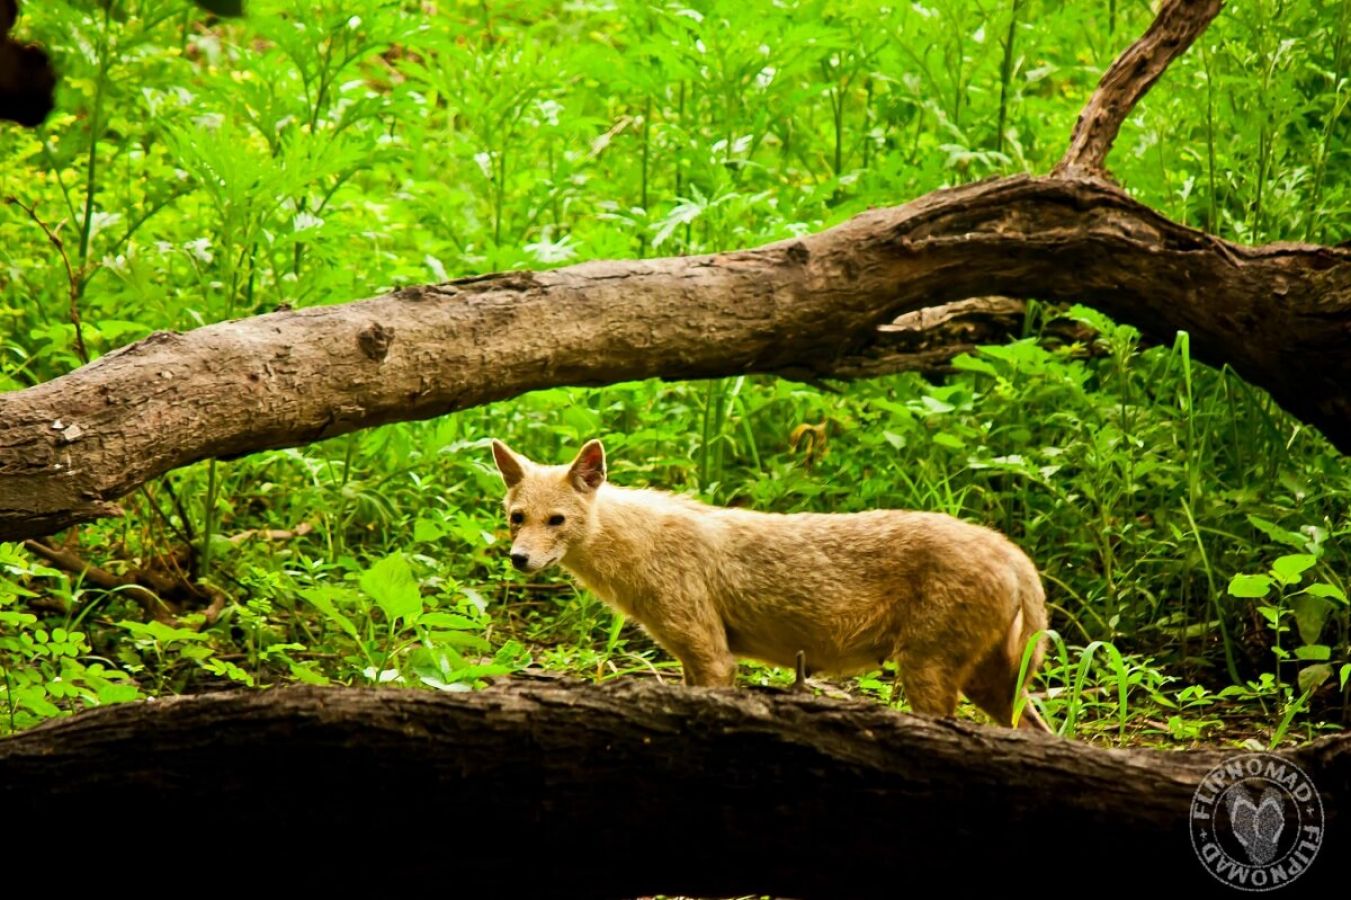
[[1193, 537], [393, 634], [47, 671], [1312, 607]]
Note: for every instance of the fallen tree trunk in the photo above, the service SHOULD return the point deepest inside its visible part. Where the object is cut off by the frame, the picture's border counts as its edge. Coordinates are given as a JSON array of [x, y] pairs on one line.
[[805, 308], [1280, 315], [625, 790]]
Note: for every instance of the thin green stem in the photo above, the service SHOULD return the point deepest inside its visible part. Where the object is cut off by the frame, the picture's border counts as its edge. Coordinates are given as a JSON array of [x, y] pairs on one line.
[[1230, 663], [95, 125], [646, 162], [1212, 218], [1006, 73], [208, 520]]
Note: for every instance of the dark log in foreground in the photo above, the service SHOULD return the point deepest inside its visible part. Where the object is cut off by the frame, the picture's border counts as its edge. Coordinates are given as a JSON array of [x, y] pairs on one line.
[[1280, 315], [620, 791]]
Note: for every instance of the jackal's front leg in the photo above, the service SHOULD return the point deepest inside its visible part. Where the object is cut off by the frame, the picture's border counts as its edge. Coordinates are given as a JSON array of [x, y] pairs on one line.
[[699, 640], [709, 672]]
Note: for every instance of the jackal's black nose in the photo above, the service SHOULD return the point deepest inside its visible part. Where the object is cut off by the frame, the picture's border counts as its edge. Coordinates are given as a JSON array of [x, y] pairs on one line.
[[519, 560]]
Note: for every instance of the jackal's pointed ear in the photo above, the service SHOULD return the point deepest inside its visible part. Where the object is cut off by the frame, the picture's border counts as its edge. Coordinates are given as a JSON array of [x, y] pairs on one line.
[[508, 463], [588, 469]]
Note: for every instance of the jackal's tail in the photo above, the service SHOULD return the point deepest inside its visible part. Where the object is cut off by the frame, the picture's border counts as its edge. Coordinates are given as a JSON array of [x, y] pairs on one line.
[[1029, 624]]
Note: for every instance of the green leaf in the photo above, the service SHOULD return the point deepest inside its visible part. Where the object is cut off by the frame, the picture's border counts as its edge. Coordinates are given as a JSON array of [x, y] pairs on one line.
[[449, 620], [513, 654], [1249, 586], [1289, 569], [110, 692], [1343, 676], [391, 584], [231, 8], [14, 590], [1320, 652], [161, 633], [229, 670], [426, 531], [1310, 614], [474, 672], [305, 674], [1277, 533], [35, 699], [1311, 677], [967, 363], [476, 599], [322, 599], [1327, 591], [222, 547], [459, 640], [120, 331], [1091, 317]]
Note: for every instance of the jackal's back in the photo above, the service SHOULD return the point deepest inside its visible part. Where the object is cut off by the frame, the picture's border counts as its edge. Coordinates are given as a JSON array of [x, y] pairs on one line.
[[848, 589]]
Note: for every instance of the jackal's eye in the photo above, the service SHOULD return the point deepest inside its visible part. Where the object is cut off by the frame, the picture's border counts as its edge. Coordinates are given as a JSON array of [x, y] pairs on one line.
[[556, 519], [517, 518]]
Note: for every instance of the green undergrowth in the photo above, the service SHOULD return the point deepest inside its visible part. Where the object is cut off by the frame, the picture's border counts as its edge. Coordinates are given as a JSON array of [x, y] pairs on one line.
[[1193, 537]]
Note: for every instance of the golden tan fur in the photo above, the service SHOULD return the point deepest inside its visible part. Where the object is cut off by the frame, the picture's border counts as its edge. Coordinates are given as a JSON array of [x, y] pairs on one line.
[[953, 603]]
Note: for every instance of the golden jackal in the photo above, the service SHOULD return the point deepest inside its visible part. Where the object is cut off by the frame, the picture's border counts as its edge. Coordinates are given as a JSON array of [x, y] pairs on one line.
[[953, 603]]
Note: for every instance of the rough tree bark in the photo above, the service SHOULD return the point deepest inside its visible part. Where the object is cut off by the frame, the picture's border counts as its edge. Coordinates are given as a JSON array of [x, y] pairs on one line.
[[810, 308], [625, 790]]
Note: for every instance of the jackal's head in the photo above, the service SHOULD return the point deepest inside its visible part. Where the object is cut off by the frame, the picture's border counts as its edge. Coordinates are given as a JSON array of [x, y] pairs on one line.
[[549, 507]]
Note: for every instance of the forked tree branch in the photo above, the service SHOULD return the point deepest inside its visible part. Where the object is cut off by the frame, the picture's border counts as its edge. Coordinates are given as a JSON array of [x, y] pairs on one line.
[[1178, 24]]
